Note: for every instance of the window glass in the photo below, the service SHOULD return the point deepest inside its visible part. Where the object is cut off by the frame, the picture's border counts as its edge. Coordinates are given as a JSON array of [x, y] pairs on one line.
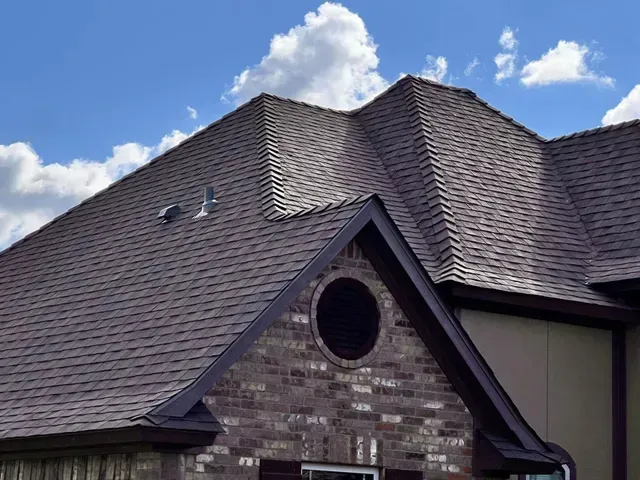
[[317, 475], [315, 471], [560, 475]]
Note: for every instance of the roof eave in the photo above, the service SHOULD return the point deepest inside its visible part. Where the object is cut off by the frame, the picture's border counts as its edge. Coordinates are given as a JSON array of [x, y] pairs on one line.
[[136, 438], [493, 457], [534, 306], [372, 228]]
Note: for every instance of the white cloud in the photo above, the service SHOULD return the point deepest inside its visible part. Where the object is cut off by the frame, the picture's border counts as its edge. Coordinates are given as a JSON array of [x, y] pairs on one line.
[[331, 60], [193, 113], [172, 139], [32, 192], [506, 60], [627, 109], [568, 62], [471, 66], [508, 40], [435, 68]]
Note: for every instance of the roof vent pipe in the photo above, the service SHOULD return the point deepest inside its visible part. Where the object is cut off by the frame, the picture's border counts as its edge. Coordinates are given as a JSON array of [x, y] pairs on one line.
[[209, 202], [169, 213]]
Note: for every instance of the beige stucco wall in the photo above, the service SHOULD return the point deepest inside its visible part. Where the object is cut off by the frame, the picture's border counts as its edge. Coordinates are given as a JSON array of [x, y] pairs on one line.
[[633, 408], [559, 376]]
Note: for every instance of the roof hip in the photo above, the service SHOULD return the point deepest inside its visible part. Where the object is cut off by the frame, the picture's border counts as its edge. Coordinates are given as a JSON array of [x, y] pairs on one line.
[[442, 218], [272, 193]]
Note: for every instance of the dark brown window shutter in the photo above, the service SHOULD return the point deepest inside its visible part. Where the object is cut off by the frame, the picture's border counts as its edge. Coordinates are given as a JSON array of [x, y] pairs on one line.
[[278, 469], [402, 474]]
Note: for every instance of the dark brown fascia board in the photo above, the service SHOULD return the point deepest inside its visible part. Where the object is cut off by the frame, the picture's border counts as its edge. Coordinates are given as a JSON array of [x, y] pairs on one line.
[[628, 290], [462, 345], [619, 403], [467, 367], [450, 345], [489, 462], [104, 441], [533, 306], [617, 286]]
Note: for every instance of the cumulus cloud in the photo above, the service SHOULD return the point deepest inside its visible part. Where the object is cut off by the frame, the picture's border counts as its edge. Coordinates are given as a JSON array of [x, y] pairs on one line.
[[471, 66], [627, 109], [508, 40], [506, 60], [435, 68], [32, 192], [193, 113], [567, 62], [330, 60]]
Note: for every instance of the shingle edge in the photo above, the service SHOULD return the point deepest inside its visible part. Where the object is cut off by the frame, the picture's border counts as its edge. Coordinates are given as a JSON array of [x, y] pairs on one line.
[[442, 218], [272, 193]]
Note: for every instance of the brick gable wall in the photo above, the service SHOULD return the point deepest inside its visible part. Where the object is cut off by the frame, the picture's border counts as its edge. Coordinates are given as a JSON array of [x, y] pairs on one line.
[[284, 399]]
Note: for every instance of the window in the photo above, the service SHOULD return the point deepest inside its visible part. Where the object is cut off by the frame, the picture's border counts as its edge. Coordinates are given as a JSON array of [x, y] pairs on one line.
[[348, 318], [568, 469], [317, 471], [565, 474]]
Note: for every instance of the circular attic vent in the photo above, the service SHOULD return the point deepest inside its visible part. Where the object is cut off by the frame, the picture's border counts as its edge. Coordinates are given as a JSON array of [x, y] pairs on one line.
[[348, 319]]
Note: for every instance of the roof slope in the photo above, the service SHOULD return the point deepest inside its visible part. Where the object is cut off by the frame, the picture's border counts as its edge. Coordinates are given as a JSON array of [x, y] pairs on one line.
[[601, 169], [491, 202], [106, 313], [516, 226]]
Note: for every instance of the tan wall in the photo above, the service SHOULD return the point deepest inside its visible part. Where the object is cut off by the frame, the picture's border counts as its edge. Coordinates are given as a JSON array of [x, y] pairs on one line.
[[559, 376], [633, 408]]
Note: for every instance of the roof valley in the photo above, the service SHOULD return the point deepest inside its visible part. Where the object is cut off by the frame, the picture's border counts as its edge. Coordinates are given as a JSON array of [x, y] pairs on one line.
[[442, 220], [582, 229], [272, 193]]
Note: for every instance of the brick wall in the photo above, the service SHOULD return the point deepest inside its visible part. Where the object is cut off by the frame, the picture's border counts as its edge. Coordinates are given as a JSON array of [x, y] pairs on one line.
[[131, 466], [284, 399]]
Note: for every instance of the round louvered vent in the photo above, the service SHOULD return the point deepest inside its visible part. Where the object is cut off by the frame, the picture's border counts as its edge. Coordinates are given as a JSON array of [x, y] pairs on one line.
[[348, 318]]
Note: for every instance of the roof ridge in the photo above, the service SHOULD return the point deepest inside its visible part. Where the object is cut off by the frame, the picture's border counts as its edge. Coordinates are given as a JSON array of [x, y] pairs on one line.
[[596, 130], [326, 206], [433, 177], [475, 96], [433, 83], [399, 84], [273, 96], [354, 111], [124, 177], [272, 193]]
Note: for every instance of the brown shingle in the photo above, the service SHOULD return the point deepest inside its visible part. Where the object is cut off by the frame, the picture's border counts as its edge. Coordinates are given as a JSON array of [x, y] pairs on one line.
[[106, 313]]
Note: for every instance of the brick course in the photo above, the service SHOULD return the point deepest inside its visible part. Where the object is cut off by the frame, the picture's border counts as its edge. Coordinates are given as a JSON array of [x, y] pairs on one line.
[[284, 399]]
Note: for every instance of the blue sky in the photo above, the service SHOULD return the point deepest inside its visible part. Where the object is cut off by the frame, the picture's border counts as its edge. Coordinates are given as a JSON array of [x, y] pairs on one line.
[[78, 78]]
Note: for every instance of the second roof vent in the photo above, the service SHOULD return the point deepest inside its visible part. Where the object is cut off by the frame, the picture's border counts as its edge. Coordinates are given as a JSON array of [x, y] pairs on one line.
[[209, 202]]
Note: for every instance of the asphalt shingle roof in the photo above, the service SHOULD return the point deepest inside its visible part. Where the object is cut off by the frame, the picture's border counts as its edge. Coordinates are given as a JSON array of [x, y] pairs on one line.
[[106, 313], [601, 169]]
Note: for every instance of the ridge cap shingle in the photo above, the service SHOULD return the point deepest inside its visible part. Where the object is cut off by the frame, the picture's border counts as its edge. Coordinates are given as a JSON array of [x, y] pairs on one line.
[[434, 178], [474, 95], [272, 193], [315, 106], [596, 130]]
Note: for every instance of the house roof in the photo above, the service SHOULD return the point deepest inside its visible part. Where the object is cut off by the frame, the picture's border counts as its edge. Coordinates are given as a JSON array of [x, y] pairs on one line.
[[108, 312], [108, 315], [601, 169]]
